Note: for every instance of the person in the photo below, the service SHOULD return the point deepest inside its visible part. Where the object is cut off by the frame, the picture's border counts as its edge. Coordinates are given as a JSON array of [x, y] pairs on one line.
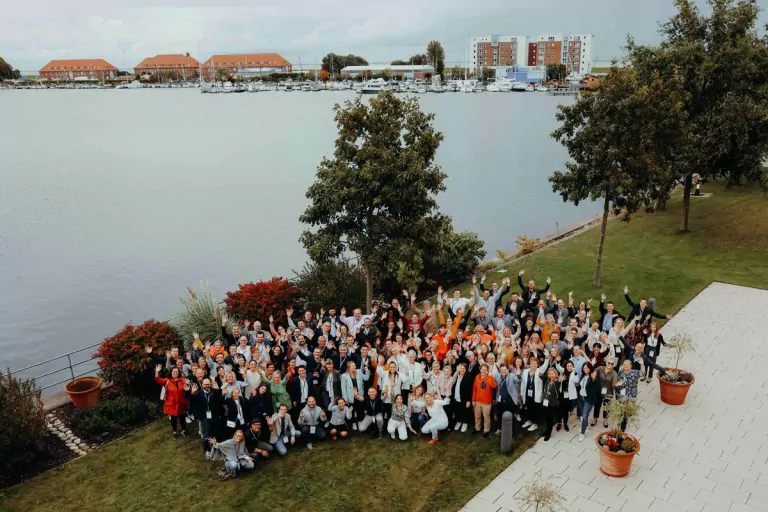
[[352, 390], [531, 390], [567, 396], [413, 375], [438, 419], [417, 408], [608, 379], [311, 419], [233, 452], [389, 383], [507, 395], [283, 430], [482, 400], [340, 415], [589, 393], [207, 404], [608, 314], [301, 390], [398, 419], [255, 440], [628, 379], [654, 340], [278, 388], [373, 410], [237, 413], [530, 294], [175, 404], [642, 309], [461, 398], [550, 400], [330, 384]]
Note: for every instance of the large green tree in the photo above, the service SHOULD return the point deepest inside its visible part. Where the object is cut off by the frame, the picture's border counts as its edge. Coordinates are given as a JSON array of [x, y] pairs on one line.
[[7, 72], [333, 63], [375, 197], [436, 56], [614, 137], [723, 64], [556, 72], [420, 59]]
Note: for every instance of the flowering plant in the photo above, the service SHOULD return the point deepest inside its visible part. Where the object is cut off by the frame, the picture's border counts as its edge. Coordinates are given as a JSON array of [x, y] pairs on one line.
[[257, 301], [125, 359]]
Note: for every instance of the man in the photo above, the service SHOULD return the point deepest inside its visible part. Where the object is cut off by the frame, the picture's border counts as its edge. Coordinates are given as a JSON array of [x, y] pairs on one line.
[[284, 432], [608, 314], [556, 342], [314, 369], [301, 390], [455, 304], [640, 359], [229, 339], [411, 375], [364, 362], [461, 398], [515, 307], [500, 321], [325, 332], [578, 360], [494, 289], [311, 419], [561, 313], [373, 411], [530, 294], [255, 440], [355, 322], [473, 369], [480, 317], [486, 300], [330, 384], [352, 390], [642, 309], [367, 334], [482, 400], [341, 359], [508, 395], [207, 404]]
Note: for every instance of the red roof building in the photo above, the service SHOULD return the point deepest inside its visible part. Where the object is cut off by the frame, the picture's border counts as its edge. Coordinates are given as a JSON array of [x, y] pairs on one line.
[[74, 69], [178, 65], [247, 64]]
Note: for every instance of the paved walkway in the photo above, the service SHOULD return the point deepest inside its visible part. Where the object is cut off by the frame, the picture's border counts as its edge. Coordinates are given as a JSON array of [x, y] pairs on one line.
[[709, 454]]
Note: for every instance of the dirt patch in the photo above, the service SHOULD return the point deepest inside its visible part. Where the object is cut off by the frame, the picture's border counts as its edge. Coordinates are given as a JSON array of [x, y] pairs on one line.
[[53, 455]]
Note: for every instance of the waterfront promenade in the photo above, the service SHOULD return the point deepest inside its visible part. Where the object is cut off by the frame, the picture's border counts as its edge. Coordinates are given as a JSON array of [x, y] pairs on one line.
[[709, 454]]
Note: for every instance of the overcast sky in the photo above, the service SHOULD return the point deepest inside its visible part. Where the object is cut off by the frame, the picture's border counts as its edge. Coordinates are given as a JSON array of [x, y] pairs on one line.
[[125, 31]]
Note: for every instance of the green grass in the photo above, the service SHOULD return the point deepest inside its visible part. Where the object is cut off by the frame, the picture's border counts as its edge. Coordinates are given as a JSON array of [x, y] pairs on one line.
[[728, 242]]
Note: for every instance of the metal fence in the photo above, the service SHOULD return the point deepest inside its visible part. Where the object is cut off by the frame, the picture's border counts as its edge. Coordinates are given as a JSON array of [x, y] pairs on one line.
[[60, 366]]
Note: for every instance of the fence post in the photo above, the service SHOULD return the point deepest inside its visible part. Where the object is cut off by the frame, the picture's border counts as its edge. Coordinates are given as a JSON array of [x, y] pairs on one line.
[[71, 371], [507, 419]]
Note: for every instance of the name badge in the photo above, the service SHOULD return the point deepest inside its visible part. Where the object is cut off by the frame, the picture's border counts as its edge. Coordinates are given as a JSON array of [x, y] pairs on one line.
[[623, 392], [189, 419], [605, 391], [545, 403], [285, 439], [498, 398], [312, 429], [231, 424], [314, 381], [650, 354], [530, 392], [208, 415], [618, 348]]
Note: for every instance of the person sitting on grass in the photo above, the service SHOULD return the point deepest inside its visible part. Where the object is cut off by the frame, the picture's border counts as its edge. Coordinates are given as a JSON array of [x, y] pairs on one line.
[[340, 415], [311, 419], [399, 420], [284, 433], [256, 440], [233, 452]]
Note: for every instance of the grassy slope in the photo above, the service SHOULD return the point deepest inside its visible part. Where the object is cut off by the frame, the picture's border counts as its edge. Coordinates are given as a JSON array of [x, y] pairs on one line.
[[729, 243]]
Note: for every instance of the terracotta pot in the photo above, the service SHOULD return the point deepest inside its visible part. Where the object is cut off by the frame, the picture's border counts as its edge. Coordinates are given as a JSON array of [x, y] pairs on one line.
[[674, 393], [84, 392], [614, 463]]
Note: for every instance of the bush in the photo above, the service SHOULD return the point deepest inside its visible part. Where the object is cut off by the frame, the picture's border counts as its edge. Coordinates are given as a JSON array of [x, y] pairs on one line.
[[256, 301], [124, 362], [332, 283], [456, 257], [201, 315], [111, 415], [22, 425], [526, 245]]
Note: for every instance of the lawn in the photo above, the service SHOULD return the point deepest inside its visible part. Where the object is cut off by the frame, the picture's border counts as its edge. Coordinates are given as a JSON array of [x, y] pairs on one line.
[[728, 242]]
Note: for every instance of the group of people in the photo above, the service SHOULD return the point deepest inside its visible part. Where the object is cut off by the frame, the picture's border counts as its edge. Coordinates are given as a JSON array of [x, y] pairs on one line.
[[408, 370]]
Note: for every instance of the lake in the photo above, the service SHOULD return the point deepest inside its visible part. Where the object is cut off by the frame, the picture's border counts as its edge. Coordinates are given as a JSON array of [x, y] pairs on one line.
[[112, 202]]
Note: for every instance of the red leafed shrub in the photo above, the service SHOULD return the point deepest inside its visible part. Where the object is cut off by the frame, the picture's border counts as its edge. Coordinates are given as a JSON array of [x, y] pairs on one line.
[[256, 301], [124, 361]]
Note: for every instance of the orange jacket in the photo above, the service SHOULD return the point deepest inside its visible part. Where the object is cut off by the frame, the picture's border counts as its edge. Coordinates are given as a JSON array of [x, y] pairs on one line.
[[483, 394]]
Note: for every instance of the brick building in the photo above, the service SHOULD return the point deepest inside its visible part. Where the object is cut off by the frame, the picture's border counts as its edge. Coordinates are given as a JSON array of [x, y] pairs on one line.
[[492, 51], [573, 50], [78, 69], [179, 66], [246, 64]]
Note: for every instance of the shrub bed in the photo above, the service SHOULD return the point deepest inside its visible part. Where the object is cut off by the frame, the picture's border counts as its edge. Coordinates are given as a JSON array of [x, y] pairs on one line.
[[110, 418]]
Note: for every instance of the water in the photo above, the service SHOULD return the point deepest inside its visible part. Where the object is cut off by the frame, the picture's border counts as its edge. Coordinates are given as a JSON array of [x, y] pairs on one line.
[[112, 202]]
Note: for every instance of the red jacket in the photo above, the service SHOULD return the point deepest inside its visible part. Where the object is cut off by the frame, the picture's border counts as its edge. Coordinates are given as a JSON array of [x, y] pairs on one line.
[[175, 397]]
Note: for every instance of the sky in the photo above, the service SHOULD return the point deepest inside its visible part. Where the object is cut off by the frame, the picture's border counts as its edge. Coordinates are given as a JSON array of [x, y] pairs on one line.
[[125, 31]]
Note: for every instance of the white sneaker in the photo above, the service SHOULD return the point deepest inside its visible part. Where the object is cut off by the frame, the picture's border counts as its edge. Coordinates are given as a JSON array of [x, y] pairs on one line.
[[354, 427], [532, 427], [526, 424], [581, 437], [457, 426], [309, 446], [463, 427], [393, 435]]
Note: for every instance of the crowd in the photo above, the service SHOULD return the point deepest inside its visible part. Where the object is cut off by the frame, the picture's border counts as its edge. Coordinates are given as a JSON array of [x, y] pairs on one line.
[[409, 370]]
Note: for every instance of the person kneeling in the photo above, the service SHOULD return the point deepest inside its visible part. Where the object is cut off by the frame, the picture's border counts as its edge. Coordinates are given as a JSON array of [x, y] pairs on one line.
[[311, 420], [283, 430], [234, 453], [438, 419], [399, 420], [373, 409], [340, 415]]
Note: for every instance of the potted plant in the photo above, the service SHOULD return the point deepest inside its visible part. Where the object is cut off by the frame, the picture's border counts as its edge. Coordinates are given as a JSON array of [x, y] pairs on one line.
[[84, 392], [540, 495], [675, 383], [618, 449]]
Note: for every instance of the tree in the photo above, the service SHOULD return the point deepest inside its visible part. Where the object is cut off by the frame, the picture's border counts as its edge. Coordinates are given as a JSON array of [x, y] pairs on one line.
[[324, 75], [398, 63], [723, 64], [419, 59], [262, 299], [335, 63], [436, 56], [7, 72], [556, 71], [614, 137], [375, 197], [332, 282]]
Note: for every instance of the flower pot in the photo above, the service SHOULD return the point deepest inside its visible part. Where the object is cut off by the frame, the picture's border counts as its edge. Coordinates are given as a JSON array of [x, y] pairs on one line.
[[84, 391], [615, 463], [674, 393]]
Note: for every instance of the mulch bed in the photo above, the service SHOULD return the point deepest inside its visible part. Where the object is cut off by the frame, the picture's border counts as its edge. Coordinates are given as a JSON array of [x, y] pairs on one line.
[[55, 454]]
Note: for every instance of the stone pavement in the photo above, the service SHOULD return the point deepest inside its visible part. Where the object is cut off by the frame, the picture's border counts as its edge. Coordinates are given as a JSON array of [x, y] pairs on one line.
[[709, 454]]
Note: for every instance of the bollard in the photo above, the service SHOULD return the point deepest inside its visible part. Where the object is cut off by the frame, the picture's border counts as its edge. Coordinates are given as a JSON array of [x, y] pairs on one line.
[[507, 419]]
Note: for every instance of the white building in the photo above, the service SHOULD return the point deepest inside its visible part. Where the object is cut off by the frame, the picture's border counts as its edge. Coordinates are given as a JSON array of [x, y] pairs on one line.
[[407, 71], [577, 53], [491, 51]]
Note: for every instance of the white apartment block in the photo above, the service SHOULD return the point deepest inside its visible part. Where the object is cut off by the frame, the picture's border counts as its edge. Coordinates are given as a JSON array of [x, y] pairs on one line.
[[572, 50], [492, 51]]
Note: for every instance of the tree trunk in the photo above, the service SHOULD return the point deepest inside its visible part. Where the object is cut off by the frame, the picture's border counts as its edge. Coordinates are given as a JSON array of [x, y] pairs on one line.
[[685, 209], [661, 202], [601, 246], [368, 290]]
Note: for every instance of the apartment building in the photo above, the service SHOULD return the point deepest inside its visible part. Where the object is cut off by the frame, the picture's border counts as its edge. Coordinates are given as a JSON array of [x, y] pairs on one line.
[[492, 51], [572, 50]]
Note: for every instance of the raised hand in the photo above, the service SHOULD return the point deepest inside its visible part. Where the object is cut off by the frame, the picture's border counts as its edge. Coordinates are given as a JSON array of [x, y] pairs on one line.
[[474, 279], [224, 318], [482, 278], [158, 367], [289, 311], [549, 280], [271, 319], [195, 387], [439, 290], [602, 297], [521, 272], [626, 289]]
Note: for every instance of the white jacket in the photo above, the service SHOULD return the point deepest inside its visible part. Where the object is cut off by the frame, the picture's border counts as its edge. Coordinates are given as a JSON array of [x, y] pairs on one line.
[[391, 388], [411, 375], [573, 394], [538, 383]]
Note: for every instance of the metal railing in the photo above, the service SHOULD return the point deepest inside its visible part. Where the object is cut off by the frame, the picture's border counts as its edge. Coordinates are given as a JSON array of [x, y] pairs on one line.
[[65, 366]]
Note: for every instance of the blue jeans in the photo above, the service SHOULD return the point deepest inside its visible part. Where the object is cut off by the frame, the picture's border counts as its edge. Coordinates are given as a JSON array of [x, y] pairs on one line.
[[236, 465], [586, 407]]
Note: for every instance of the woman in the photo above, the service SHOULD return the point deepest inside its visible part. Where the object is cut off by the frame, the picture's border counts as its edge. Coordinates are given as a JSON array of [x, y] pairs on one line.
[[548, 327], [279, 390], [237, 417], [260, 405], [398, 419], [433, 379], [220, 377], [627, 383], [230, 384], [493, 368], [550, 400], [616, 335], [340, 415], [233, 452], [278, 356], [589, 394], [438, 419], [175, 404], [416, 409], [389, 384], [653, 343], [252, 377], [567, 395]]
